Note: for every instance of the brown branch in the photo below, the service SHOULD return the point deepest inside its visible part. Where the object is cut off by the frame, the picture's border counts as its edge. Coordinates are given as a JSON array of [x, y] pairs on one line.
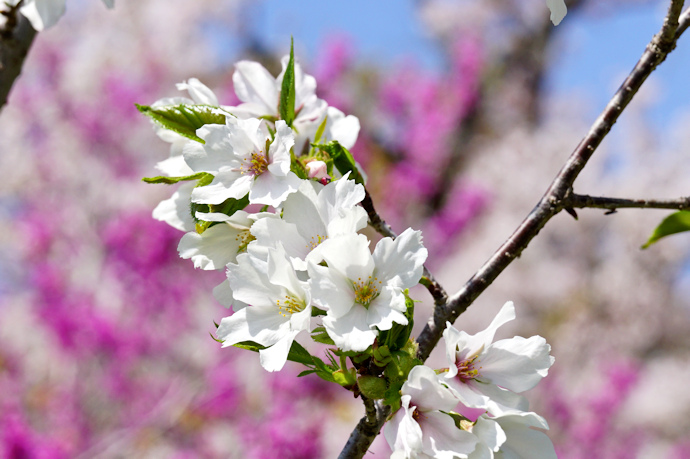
[[366, 431], [553, 200], [16, 37], [579, 201]]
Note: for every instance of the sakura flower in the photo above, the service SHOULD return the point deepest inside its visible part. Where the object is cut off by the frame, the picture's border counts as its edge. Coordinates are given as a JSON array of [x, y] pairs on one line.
[[243, 160], [45, 13], [515, 436], [310, 217], [361, 291], [490, 375], [280, 306], [421, 428], [558, 10], [200, 95], [219, 244]]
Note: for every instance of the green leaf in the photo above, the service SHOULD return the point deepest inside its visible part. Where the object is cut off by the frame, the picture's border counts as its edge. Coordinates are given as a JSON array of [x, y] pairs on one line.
[[286, 105], [297, 167], [321, 336], [299, 354], [305, 373], [230, 205], [675, 223], [320, 129], [173, 180], [342, 159], [371, 386], [183, 119], [346, 378]]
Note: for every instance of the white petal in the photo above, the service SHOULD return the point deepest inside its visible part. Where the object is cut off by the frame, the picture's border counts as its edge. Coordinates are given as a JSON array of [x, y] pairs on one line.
[[523, 441], [349, 255], [427, 392], [399, 262], [387, 308], [226, 184], [558, 10], [213, 249], [344, 129], [475, 343], [350, 332], [250, 285], [271, 190], [489, 432], [274, 357], [442, 439], [261, 325], [199, 92], [402, 432], [43, 13], [175, 211], [254, 84], [517, 364], [330, 290], [223, 294]]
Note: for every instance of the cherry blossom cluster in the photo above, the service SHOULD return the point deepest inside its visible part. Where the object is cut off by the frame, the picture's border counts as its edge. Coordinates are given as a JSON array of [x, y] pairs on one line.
[[272, 196], [304, 254], [474, 408]]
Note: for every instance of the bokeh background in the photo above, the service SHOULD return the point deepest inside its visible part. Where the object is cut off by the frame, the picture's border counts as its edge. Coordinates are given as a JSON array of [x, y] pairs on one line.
[[468, 110]]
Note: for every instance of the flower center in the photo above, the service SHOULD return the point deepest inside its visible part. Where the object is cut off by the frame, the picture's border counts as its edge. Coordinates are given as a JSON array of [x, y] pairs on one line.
[[244, 237], [366, 290], [315, 240], [256, 165], [467, 370], [417, 415], [289, 306]]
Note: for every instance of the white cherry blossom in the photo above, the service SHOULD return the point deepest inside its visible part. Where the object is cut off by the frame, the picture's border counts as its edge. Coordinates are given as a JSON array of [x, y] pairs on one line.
[[421, 428], [279, 306], [362, 291], [221, 243], [490, 375], [242, 159], [311, 217]]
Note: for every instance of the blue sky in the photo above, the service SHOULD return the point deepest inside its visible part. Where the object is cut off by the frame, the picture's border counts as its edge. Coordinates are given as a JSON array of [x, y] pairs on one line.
[[593, 50]]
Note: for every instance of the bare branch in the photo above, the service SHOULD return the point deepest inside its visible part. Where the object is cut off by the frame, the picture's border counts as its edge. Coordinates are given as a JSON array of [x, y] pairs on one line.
[[583, 201], [366, 431], [553, 200], [16, 37]]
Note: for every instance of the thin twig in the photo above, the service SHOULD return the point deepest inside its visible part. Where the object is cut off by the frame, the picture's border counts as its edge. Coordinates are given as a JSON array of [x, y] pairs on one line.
[[366, 431], [16, 37], [553, 200], [580, 201]]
